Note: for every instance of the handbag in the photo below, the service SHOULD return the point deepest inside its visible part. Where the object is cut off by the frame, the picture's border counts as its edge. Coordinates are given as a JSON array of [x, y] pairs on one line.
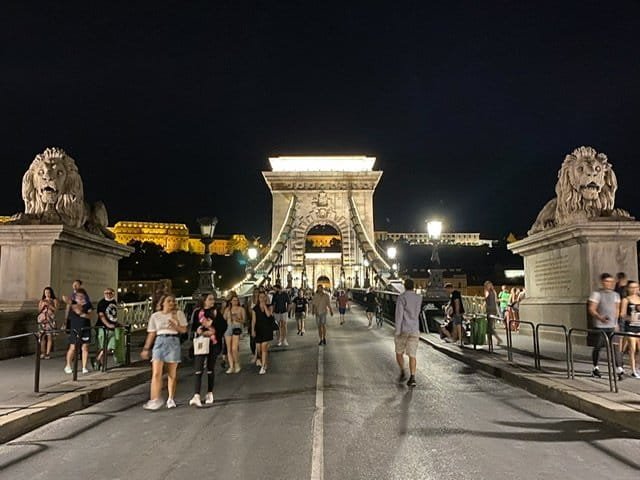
[[201, 345], [274, 323]]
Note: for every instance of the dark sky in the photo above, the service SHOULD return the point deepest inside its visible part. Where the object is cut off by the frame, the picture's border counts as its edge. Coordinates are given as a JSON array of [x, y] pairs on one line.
[[171, 110]]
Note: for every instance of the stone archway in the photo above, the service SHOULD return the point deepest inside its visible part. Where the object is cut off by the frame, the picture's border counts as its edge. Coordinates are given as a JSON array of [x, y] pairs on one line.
[[323, 189]]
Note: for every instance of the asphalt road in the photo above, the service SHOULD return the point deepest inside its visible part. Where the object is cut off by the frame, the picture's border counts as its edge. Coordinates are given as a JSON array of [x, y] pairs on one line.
[[348, 419]]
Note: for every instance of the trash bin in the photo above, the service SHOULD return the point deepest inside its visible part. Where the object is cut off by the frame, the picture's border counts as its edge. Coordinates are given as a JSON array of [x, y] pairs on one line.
[[119, 345], [479, 330]]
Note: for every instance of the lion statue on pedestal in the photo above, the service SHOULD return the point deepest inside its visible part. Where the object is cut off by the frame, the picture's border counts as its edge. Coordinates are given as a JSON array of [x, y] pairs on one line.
[[53, 194], [585, 190]]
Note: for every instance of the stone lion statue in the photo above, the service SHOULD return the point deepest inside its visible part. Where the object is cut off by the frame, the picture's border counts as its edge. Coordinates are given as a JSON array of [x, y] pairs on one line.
[[53, 194], [585, 190]]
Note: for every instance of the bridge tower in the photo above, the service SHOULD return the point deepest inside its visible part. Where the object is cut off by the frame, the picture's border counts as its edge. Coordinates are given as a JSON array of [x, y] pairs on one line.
[[334, 192]]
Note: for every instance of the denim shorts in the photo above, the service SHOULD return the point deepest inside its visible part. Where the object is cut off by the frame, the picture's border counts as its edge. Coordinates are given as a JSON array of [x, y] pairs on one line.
[[233, 326], [321, 319], [456, 319], [166, 349]]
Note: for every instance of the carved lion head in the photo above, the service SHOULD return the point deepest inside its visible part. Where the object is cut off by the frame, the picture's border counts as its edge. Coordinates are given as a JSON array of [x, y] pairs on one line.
[[586, 183], [53, 181]]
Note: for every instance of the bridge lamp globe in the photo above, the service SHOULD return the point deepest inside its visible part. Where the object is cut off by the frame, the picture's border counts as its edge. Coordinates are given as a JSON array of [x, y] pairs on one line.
[[391, 253], [253, 253], [207, 226], [434, 229], [366, 263]]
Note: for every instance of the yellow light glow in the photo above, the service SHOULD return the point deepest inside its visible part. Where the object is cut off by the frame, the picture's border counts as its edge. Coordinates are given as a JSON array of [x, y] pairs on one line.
[[323, 255], [342, 163]]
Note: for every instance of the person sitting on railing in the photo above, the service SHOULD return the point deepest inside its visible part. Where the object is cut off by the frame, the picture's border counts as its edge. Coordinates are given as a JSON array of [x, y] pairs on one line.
[[445, 331]]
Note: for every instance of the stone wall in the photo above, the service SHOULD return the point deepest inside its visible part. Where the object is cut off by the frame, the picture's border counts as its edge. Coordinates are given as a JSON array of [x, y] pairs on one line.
[[16, 323]]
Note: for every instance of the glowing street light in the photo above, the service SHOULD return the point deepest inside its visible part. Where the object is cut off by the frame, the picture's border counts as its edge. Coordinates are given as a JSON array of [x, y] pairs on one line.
[[434, 229], [206, 283], [252, 252], [391, 255]]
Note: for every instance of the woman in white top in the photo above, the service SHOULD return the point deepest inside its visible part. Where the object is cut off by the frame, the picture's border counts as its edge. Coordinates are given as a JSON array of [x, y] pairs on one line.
[[163, 333], [630, 312]]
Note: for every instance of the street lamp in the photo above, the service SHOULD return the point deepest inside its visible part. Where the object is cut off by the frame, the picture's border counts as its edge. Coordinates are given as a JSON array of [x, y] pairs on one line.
[[367, 282], [434, 229], [391, 255], [253, 254], [206, 282]]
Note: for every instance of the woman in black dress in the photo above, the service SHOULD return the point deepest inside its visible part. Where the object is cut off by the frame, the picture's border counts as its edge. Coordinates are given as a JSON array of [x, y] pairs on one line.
[[262, 329]]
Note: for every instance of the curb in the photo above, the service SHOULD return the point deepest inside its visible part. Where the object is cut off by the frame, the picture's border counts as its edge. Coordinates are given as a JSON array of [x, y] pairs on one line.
[[24, 420], [553, 390]]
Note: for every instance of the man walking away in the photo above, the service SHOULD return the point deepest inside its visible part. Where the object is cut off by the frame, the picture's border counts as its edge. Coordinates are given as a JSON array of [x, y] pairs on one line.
[[320, 303], [407, 334], [604, 307], [280, 303]]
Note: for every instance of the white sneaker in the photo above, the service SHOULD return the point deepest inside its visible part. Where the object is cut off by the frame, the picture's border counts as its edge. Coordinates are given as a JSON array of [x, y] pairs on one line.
[[153, 404], [85, 370], [258, 363], [279, 344], [194, 401], [619, 370], [285, 343], [229, 370], [237, 369], [635, 374], [68, 369], [171, 403], [209, 398], [262, 371]]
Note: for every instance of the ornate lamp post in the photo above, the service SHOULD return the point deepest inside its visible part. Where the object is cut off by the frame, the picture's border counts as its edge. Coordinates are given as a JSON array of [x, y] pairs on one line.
[[391, 255], [206, 282], [289, 276], [434, 229], [253, 254], [367, 281]]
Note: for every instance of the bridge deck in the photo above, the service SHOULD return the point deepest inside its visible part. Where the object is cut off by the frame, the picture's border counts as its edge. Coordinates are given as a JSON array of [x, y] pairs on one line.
[[348, 419]]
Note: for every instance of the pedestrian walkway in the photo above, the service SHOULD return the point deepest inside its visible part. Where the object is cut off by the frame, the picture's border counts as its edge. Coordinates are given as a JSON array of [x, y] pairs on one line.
[[21, 410], [584, 393]]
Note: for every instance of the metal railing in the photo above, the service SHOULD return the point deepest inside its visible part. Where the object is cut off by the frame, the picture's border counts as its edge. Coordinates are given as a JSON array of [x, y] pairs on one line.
[[613, 381], [566, 342]]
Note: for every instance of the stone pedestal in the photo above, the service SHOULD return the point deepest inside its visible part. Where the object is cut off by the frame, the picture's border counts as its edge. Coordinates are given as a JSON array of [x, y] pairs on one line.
[[35, 256], [562, 267]]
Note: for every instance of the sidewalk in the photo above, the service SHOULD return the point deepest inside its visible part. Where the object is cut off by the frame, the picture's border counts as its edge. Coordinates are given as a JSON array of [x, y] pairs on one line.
[[22, 410], [583, 393]]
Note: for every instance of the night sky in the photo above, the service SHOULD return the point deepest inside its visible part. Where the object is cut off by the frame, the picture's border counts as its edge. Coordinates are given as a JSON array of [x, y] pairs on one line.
[[171, 110]]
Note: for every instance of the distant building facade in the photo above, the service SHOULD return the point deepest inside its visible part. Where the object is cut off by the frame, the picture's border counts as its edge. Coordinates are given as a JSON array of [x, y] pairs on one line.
[[175, 237], [470, 239]]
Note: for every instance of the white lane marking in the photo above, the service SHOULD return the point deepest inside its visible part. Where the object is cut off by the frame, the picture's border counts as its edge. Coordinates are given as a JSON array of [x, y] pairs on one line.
[[317, 453]]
